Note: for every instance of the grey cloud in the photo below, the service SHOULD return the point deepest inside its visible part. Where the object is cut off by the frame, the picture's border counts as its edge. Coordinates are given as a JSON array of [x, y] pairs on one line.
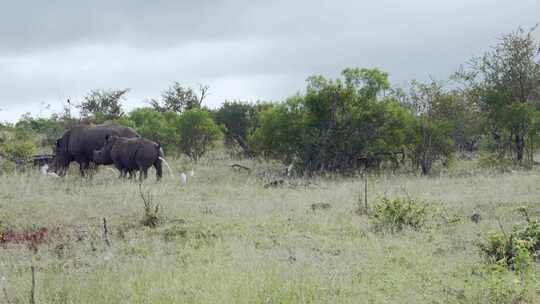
[[31, 25], [51, 50]]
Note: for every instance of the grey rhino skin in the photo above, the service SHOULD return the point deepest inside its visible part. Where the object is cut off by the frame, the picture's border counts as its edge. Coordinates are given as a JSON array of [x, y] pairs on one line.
[[79, 143], [131, 154]]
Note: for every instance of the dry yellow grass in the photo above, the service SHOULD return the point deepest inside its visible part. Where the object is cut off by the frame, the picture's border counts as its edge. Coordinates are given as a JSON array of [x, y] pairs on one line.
[[227, 239]]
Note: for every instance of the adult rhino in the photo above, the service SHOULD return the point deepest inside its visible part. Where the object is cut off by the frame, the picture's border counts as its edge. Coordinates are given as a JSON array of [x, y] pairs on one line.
[[78, 144]]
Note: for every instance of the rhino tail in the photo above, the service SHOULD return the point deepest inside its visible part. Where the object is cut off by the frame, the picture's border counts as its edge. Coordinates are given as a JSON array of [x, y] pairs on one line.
[[161, 158]]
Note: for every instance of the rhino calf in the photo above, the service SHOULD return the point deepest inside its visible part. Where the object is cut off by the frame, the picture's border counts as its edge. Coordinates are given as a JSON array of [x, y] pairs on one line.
[[130, 154]]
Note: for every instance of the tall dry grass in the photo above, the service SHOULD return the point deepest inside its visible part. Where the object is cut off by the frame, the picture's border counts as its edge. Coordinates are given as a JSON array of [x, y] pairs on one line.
[[225, 238]]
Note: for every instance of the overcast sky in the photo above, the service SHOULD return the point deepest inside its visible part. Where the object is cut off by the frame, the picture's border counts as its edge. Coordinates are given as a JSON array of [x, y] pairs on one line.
[[245, 50]]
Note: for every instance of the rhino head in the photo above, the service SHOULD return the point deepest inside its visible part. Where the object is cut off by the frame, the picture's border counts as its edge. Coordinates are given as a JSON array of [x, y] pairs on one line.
[[103, 155], [61, 159]]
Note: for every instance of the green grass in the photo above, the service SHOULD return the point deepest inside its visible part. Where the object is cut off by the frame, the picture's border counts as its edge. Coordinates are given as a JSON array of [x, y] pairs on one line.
[[224, 238]]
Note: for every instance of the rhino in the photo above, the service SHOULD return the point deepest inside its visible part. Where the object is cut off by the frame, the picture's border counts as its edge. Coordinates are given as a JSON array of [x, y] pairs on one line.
[[131, 154], [79, 143]]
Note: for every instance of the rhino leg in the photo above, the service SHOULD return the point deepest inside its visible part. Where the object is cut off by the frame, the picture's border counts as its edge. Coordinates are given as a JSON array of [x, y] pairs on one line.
[[143, 173], [83, 167], [159, 170]]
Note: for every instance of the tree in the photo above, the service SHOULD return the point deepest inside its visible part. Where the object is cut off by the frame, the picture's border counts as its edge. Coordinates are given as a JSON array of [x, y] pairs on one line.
[[178, 98], [239, 121], [369, 83], [431, 130], [281, 131], [463, 117], [102, 105], [338, 125], [198, 132], [432, 142], [507, 81], [159, 127]]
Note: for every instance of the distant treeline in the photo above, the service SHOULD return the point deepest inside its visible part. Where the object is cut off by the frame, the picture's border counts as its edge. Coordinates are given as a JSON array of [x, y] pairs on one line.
[[357, 121]]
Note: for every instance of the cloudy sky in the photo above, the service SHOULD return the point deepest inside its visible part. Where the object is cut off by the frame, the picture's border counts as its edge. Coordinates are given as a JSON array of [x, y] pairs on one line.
[[246, 49]]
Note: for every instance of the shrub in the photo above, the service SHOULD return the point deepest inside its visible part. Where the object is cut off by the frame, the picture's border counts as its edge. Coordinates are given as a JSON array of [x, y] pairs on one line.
[[239, 120], [516, 249], [396, 214], [338, 125], [156, 126], [503, 286], [17, 145], [198, 132], [47, 130], [19, 151]]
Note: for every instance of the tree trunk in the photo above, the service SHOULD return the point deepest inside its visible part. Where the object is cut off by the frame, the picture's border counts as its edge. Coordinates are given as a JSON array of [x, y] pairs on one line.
[[427, 157], [243, 145], [520, 147], [425, 164], [327, 134]]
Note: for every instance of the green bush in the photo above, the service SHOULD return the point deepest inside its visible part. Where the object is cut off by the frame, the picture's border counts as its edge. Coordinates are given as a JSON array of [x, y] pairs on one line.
[[504, 286], [497, 248], [156, 126], [44, 131], [514, 250], [396, 214], [510, 273], [239, 120], [338, 125], [198, 133], [19, 150]]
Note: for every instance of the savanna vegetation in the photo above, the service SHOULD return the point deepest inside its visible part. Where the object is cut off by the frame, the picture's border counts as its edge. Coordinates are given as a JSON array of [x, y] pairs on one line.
[[352, 191]]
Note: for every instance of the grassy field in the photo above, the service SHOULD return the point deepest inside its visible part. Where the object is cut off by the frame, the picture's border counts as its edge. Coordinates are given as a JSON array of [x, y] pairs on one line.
[[224, 238]]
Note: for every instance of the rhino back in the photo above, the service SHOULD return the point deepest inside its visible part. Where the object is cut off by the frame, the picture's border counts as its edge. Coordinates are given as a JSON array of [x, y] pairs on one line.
[[85, 139], [130, 153], [148, 149]]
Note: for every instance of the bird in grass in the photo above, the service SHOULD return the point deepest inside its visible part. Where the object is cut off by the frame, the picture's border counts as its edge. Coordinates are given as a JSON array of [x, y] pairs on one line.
[[45, 171], [183, 178]]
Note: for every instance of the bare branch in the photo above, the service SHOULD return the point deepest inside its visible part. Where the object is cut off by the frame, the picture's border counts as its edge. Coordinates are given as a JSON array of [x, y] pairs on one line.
[[204, 93]]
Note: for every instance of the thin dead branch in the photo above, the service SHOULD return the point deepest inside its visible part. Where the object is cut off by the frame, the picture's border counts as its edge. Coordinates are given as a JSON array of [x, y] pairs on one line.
[[106, 233], [150, 217], [33, 290]]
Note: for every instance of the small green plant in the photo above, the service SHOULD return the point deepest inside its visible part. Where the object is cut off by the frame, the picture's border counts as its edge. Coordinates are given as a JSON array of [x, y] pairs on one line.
[[510, 261], [396, 214], [514, 250], [497, 248], [503, 286], [530, 234]]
